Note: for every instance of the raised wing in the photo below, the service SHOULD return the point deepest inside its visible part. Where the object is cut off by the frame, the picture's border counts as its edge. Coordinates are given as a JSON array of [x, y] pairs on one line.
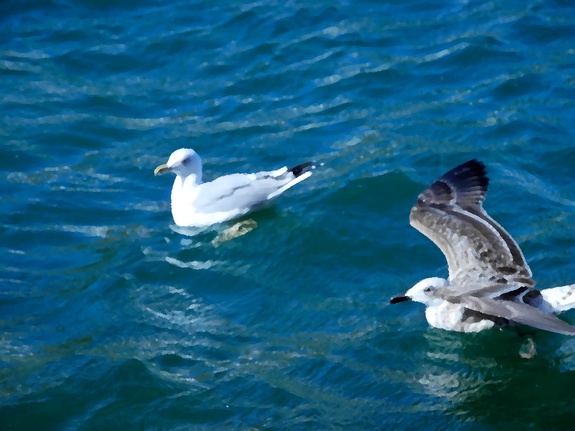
[[519, 313], [479, 252]]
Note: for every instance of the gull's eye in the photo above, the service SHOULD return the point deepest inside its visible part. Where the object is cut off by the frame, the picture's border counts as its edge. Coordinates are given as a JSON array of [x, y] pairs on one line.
[[427, 289], [186, 161]]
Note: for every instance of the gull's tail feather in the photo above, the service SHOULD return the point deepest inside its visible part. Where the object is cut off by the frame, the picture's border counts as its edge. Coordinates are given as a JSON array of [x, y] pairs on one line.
[[300, 173], [561, 298], [301, 169]]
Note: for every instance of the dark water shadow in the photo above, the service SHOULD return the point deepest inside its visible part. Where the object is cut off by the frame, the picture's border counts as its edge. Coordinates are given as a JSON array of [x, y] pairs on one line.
[[488, 383]]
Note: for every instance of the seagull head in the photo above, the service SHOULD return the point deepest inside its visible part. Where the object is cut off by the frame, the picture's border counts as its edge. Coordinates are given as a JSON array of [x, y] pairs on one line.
[[183, 162], [425, 291]]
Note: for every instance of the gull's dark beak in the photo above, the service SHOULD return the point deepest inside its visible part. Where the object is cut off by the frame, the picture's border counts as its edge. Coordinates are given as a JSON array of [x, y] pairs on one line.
[[399, 298], [162, 169]]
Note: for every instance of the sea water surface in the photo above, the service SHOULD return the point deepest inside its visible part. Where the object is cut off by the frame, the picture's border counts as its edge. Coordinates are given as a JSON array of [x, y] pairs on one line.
[[112, 318]]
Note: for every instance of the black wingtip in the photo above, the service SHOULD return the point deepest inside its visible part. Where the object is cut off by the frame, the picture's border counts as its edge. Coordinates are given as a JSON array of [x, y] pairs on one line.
[[301, 169], [469, 174], [468, 181]]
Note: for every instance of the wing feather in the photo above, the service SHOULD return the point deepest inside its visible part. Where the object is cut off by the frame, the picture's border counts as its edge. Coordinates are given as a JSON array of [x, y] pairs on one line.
[[244, 191], [519, 313], [478, 250]]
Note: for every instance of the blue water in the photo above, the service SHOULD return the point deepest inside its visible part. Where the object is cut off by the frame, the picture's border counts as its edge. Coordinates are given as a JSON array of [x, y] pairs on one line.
[[113, 318]]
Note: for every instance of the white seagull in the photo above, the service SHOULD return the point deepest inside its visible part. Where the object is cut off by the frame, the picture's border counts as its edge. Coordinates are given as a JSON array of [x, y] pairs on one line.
[[196, 204], [489, 283]]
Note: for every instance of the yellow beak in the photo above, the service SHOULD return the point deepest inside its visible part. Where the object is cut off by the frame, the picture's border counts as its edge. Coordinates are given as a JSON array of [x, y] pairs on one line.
[[162, 169]]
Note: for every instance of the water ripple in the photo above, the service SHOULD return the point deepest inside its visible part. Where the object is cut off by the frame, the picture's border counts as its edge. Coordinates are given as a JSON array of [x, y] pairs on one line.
[[114, 318]]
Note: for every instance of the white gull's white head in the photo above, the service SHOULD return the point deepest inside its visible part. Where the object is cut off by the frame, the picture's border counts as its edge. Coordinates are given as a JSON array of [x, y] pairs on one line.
[[183, 162]]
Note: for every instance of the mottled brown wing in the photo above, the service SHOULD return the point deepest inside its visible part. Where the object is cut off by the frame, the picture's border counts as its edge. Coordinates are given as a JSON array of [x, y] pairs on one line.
[[479, 252]]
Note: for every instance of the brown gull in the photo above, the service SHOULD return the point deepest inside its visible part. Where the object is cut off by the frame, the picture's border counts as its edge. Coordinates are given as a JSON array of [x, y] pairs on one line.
[[490, 284]]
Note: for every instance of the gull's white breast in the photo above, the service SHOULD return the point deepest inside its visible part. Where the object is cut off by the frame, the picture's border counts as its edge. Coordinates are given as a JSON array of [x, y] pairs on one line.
[[449, 316]]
